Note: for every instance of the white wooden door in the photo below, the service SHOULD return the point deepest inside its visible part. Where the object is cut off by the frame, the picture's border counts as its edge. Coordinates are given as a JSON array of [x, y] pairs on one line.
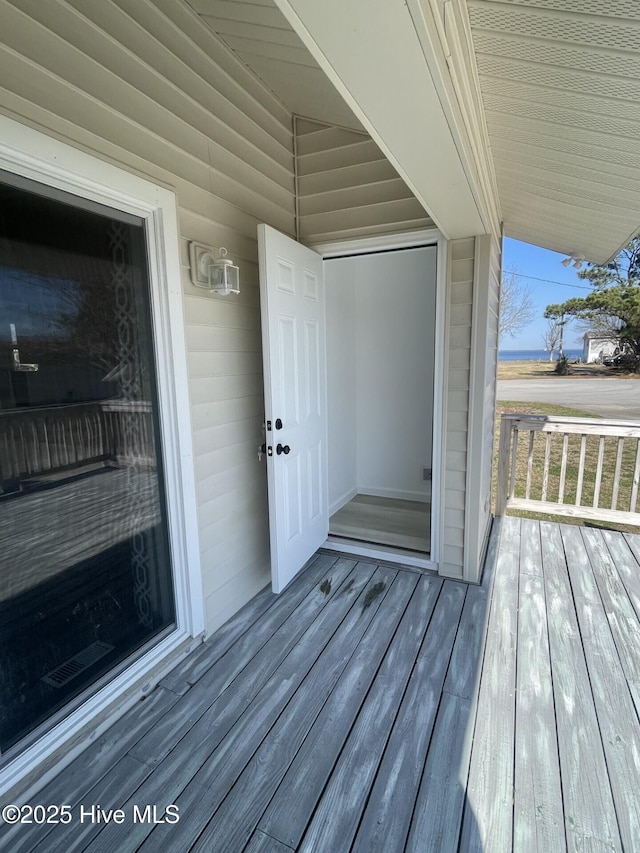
[[293, 344]]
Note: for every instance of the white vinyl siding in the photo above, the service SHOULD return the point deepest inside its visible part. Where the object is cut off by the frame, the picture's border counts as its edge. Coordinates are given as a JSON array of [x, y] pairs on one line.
[[346, 187], [459, 313], [147, 86], [474, 282]]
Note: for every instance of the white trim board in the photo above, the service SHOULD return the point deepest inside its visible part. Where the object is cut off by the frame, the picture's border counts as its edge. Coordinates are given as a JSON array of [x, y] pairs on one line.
[[31, 154], [396, 494], [383, 553], [379, 243], [389, 242]]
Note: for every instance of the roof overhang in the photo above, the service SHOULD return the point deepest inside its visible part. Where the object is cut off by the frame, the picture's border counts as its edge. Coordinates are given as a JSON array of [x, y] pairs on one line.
[[386, 59], [560, 86], [514, 114]]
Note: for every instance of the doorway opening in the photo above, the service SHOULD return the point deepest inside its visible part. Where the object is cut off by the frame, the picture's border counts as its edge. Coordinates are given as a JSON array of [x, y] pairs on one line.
[[381, 332]]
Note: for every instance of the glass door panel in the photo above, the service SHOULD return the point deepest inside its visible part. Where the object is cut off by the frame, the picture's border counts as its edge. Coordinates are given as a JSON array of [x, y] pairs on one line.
[[85, 572]]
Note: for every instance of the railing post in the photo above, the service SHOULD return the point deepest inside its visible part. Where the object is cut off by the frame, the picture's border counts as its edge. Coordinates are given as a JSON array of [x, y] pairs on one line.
[[504, 453]]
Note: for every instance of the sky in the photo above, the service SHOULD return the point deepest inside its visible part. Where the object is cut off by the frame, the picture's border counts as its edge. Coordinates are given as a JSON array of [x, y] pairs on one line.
[[549, 283]]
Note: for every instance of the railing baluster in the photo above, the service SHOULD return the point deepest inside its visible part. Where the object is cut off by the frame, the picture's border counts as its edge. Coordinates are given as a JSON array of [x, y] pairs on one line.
[[616, 476], [583, 450], [636, 479], [529, 465], [598, 483], [514, 460], [545, 472], [33, 460], [563, 467]]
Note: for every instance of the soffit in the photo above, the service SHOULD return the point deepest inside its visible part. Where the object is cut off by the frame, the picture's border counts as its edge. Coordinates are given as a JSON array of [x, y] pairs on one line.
[[560, 86]]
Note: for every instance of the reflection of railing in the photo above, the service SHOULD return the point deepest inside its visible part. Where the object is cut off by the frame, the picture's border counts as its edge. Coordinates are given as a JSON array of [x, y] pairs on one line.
[[129, 427], [45, 441], [581, 467]]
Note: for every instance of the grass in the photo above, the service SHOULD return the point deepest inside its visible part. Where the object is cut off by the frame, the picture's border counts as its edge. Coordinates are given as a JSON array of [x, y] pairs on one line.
[[538, 369], [573, 457]]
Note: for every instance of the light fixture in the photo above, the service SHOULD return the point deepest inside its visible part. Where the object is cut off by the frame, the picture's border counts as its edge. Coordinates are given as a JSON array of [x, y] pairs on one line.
[[215, 274], [575, 258]]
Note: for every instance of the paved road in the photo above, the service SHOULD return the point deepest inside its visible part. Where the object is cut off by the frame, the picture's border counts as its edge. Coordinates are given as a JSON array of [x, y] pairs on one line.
[[605, 397]]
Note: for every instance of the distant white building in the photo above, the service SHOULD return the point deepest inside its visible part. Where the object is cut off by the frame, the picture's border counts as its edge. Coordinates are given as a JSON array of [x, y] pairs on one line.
[[596, 347]]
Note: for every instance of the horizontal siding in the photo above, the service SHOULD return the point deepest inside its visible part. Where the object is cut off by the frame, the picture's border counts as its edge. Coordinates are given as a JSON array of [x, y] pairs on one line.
[[459, 313], [148, 87], [325, 139], [363, 150], [356, 175], [346, 187]]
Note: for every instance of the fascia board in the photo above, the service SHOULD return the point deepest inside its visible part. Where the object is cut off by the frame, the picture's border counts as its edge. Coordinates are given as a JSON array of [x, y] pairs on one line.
[[387, 83]]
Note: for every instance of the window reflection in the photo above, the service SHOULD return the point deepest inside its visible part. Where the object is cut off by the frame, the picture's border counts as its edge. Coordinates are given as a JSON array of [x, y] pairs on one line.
[[85, 577]]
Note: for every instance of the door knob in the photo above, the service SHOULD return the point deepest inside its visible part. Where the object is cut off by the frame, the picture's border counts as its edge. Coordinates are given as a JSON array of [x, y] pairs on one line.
[[282, 449]]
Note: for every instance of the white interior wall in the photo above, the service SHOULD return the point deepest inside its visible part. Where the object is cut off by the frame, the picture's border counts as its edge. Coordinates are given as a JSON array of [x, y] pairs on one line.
[[341, 381], [386, 355]]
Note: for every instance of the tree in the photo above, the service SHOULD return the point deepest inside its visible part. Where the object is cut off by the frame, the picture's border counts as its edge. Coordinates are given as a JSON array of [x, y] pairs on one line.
[[614, 303], [552, 337], [516, 304], [558, 316]]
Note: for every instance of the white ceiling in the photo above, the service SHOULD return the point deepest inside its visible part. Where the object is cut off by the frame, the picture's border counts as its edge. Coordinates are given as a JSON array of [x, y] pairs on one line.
[[559, 81]]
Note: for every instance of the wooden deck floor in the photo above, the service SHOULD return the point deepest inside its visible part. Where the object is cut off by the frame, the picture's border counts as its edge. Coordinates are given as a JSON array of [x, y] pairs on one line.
[[346, 714]]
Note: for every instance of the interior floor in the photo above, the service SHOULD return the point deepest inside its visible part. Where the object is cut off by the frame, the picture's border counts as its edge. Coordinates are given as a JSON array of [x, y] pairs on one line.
[[384, 521]]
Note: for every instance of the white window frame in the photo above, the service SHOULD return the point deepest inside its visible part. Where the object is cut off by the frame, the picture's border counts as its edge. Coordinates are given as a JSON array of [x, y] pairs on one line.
[[410, 240], [26, 152]]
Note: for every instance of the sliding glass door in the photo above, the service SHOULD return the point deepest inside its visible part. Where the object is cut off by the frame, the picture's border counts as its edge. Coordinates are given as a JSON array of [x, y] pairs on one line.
[[85, 572]]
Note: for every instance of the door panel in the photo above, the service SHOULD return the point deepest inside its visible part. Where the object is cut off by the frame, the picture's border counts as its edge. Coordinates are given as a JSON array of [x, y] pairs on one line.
[[293, 324]]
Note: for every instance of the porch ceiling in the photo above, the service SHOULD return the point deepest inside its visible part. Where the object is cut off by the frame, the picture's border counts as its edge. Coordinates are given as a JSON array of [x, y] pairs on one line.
[[538, 123], [560, 84]]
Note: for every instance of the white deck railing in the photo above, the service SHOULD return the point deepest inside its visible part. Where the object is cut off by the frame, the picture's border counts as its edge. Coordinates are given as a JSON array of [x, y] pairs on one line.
[[582, 467]]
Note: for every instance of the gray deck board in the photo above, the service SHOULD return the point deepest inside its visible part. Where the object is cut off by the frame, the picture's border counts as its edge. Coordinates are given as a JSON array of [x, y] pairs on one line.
[[337, 815], [617, 717], [387, 816], [251, 659], [440, 804], [262, 843], [269, 764], [287, 814], [623, 622], [368, 708], [211, 752], [537, 814], [190, 671], [488, 817], [627, 564], [590, 819]]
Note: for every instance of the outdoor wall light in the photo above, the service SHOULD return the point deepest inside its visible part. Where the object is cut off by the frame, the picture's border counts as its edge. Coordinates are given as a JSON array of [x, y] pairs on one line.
[[215, 274], [575, 259]]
